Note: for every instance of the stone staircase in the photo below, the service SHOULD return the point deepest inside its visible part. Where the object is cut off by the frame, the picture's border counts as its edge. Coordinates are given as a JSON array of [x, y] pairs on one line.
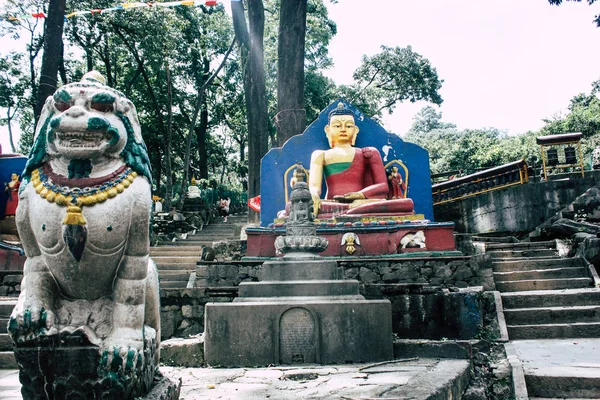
[[176, 261], [7, 359], [546, 297]]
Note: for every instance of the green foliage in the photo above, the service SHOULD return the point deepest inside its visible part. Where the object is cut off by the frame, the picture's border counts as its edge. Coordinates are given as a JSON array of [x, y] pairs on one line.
[[394, 75], [590, 2], [468, 150], [427, 119], [583, 116]]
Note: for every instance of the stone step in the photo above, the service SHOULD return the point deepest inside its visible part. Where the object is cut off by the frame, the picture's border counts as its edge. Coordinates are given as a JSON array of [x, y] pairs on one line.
[[527, 264], [173, 284], [174, 276], [554, 331], [551, 298], [215, 228], [4, 324], [170, 247], [7, 360], [190, 243], [176, 259], [178, 252], [552, 315], [543, 284], [521, 245], [176, 266], [211, 236], [496, 239], [581, 385], [6, 307], [523, 253], [558, 398], [267, 289], [554, 273], [5, 342]]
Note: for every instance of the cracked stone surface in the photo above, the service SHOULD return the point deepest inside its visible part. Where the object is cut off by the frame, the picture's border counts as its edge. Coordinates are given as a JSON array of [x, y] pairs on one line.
[[356, 381]]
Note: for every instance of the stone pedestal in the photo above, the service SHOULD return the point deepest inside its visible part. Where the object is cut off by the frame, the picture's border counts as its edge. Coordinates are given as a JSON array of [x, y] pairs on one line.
[[301, 312], [69, 366]]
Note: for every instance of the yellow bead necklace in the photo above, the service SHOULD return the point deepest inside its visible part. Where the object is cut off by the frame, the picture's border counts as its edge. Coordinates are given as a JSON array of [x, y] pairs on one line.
[[75, 198]]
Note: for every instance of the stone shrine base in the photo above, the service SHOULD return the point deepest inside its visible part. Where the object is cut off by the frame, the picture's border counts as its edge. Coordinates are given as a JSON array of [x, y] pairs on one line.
[[301, 312], [309, 331], [375, 238]]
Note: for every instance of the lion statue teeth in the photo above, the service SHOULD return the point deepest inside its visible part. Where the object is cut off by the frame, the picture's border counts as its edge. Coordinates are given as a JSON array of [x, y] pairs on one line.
[[83, 218]]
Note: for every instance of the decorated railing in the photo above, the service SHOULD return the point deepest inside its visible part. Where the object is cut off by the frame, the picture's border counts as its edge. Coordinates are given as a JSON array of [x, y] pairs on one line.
[[506, 175]]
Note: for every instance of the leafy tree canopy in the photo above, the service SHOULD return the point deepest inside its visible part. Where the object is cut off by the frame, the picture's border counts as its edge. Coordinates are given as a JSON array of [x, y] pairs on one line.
[[590, 2]]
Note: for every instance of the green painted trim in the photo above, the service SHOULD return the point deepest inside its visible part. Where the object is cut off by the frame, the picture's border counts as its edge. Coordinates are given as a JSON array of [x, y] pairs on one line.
[[103, 98], [134, 153], [336, 168], [37, 155], [62, 95], [97, 124]]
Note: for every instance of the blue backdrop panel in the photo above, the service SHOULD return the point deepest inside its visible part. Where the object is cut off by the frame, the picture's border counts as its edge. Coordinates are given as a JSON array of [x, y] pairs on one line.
[[299, 148], [9, 164]]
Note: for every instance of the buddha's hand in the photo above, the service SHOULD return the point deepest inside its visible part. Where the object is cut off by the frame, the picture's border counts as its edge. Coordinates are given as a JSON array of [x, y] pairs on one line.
[[349, 197], [316, 205]]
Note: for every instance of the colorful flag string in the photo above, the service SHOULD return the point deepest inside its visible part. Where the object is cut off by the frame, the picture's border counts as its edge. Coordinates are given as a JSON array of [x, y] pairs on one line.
[[123, 6]]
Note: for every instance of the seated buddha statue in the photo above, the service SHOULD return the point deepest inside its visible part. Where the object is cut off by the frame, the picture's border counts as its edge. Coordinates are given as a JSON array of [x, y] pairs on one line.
[[356, 179], [193, 191]]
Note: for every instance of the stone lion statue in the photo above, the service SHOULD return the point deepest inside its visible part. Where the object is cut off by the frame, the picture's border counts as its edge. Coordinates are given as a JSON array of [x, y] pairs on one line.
[[83, 218]]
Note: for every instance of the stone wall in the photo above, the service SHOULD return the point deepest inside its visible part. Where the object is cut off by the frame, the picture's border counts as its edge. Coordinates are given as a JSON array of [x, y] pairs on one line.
[[515, 209], [182, 312], [433, 298], [10, 283], [11, 272]]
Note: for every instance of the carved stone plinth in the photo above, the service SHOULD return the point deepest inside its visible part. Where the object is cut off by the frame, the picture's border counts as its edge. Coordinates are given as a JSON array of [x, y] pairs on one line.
[[69, 366]]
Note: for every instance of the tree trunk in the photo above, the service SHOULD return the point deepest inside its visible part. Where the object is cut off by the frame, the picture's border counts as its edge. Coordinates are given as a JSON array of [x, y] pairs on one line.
[[53, 32], [169, 188], [10, 133], [252, 50], [291, 115], [201, 139]]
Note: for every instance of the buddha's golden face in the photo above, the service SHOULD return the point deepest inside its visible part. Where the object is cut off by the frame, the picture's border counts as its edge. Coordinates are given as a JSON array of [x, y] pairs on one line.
[[14, 177], [341, 130]]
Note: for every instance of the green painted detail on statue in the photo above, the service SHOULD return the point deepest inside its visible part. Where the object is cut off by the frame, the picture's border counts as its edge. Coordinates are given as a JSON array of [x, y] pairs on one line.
[[103, 361], [135, 154], [96, 124], [80, 168], [27, 318], [103, 98], [55, 122], [114, 135], [13, 326], [43, 317], [336, 168], [37, 155], [129, 361], [117, 361], [62, 95]]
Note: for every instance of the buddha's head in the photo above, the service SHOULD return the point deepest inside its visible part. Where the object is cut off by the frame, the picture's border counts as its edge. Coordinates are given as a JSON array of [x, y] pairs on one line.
[[14, 177], [341, 128]]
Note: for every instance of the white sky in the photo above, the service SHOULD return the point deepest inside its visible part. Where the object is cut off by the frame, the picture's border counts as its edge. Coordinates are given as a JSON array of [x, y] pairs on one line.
[[505, 63]]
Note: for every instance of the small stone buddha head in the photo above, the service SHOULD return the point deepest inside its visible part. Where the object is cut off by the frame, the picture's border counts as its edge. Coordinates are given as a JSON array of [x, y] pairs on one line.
[[341, 129]]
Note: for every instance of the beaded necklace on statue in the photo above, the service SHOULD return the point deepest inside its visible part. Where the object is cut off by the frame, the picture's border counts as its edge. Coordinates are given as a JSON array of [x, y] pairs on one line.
[[73, 197]]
